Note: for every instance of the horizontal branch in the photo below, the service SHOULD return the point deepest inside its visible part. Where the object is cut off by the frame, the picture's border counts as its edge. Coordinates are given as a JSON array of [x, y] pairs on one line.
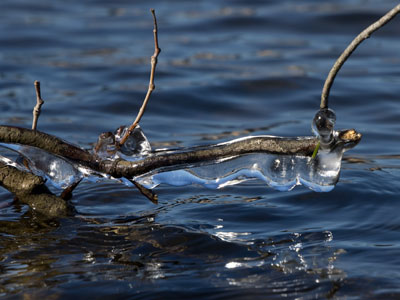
[[163, 159], [44, 141]]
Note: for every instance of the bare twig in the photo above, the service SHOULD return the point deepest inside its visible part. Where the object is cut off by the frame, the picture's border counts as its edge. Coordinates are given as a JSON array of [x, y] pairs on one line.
[[39, 103], [349, 50], [151, 88]]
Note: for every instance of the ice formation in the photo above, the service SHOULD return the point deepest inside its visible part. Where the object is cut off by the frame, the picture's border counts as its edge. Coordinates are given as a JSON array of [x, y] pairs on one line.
[[281, 172], [58, 171], [135, 147]]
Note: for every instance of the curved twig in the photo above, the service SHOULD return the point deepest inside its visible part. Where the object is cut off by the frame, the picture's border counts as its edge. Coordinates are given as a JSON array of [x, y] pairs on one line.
[[349, 50], [151, 88]]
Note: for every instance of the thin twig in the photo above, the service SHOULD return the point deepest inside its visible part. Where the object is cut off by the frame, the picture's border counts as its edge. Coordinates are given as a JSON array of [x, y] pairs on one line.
[[349, 50], [39, 103], [151, 88]]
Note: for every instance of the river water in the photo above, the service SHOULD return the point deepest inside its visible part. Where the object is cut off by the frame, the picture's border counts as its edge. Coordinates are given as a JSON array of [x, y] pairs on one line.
[[227, 69]]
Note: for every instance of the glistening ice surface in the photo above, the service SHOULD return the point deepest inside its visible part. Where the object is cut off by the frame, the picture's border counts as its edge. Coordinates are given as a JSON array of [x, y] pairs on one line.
[[281, 172]]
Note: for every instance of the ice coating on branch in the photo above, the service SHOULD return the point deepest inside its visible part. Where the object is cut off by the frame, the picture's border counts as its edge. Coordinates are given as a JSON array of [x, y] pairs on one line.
[[58, 171], [61, 172], [135, 147], [105, 146], [137, 143], [281, 172]]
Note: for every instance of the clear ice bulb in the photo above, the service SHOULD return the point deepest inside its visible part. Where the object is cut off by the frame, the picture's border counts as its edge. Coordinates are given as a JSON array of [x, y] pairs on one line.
[[323, 124]]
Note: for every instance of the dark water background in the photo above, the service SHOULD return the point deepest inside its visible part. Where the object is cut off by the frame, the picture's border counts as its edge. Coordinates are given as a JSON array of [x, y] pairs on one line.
[[227, 69]]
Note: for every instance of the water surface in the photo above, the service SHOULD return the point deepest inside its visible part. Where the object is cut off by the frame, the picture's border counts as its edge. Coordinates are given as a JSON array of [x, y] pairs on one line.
[[227, 69]]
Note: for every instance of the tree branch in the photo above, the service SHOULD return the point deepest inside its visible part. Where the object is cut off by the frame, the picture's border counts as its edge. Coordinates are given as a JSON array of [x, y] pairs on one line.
[[349, 50], [165, 159], [151, 88]]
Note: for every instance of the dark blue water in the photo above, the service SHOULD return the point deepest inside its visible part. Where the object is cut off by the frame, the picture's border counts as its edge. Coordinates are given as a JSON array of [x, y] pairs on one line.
[[227, 69]]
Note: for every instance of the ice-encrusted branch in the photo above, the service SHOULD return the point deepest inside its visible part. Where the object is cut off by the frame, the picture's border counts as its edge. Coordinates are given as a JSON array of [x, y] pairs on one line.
[[303, 146], [366, 33], [151, 88]]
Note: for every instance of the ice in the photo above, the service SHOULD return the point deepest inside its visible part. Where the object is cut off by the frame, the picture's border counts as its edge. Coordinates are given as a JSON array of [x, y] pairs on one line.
[[58, 171], [11, 158], [281, 172], [322, 126], [105, 147], [136, 146]]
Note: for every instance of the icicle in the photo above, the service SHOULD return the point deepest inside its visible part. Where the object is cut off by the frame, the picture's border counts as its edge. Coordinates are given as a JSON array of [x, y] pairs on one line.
[[281, 172]]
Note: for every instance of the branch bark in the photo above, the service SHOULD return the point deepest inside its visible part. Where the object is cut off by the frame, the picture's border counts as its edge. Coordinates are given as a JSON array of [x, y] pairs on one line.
[[366, 33]]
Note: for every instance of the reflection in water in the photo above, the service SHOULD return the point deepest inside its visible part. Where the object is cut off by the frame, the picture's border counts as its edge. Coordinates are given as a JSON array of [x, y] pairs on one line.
[[303, 255], [150, 252]]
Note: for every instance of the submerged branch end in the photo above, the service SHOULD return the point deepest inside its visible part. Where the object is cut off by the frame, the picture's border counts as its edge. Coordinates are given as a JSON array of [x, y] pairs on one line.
[[151, 88], [30, 189], [37, 108], [149, 194], [366, 33]]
